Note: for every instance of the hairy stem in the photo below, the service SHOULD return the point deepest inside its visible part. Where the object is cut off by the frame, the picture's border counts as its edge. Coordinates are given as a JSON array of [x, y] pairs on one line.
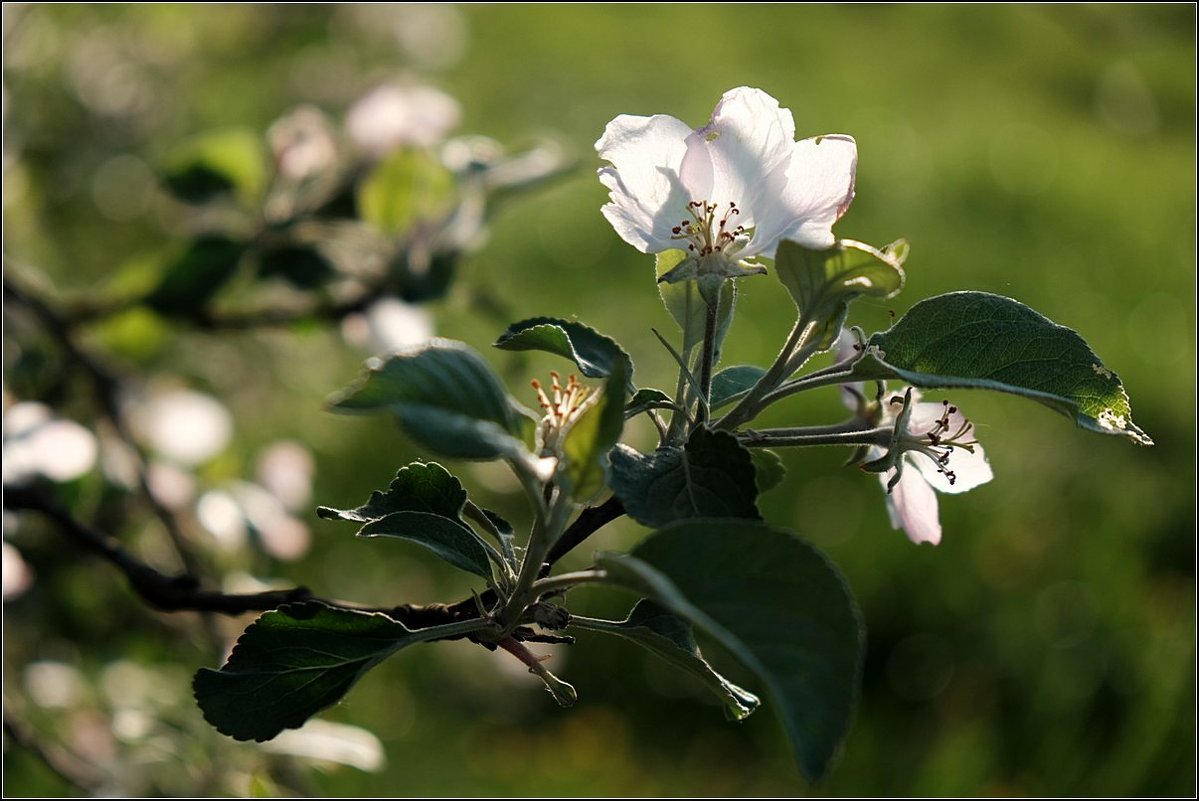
[[749, 406], [850, 433], [705, 363], [565, 581]]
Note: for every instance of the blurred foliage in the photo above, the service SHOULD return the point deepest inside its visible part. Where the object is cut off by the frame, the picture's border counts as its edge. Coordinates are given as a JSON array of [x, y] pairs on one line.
[[1045, 153]]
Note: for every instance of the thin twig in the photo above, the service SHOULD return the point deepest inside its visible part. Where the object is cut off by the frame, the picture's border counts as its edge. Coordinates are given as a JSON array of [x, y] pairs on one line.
[[107, 388], [162, 592], [183, 593], [589, 521]]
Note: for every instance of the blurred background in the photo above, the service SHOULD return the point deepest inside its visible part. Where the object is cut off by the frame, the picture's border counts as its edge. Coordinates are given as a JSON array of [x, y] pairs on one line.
[[1046, 647]]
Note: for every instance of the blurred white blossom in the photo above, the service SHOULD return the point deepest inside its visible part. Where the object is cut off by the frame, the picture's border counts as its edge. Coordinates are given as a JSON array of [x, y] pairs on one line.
[[331, 742], [230, 514], [394, 115], [285, 468], [38, 443], [387, 325], [302, 143], [18, 576], [53, 685], [185, 426]]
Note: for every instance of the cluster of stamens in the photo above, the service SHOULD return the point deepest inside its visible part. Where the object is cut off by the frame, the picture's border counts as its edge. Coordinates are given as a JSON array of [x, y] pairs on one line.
[[937, 443], [562, 404], [705, 233]]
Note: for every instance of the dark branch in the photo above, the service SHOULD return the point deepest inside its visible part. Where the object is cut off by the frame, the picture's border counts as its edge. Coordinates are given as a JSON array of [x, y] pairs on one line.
[[106, 386], [183, 593], [163, 592], [589, 521]]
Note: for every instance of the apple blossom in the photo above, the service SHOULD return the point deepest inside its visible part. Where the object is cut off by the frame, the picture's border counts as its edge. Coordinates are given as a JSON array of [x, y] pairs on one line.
[[932, 450], [725, 193]]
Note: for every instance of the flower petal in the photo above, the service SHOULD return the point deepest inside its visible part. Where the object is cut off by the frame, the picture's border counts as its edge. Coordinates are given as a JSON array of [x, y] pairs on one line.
[[853, 391], [969, 470], [969, 467], [647, 198], [912, 505], [819, 189], [741, 155]]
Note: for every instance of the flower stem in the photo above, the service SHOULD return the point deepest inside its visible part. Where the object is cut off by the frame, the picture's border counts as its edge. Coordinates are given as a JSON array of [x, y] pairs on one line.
[[547, 528], [850, 433], [567, 580], [840, 373], [705, 366], [562, 691], [749, 406]]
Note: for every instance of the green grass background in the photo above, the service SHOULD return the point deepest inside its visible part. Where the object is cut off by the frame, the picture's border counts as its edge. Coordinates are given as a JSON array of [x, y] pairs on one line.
[[1042, 152]]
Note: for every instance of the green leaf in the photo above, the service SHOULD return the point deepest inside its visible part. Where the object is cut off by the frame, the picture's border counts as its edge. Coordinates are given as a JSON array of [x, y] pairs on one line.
[[689, 309], [192, 280], [587, 442], [669, 636], [711, 476], [417, 487], [594, 354], [216, 163], [768, 468], [732, 382], [295, 661], [445, 397], [502, 530], [301, 266], [985, 341], [645, 399], [407, 186], [773, 601], [424, 277], [423, 505], [197, 183], [824, 282], [455, 543]]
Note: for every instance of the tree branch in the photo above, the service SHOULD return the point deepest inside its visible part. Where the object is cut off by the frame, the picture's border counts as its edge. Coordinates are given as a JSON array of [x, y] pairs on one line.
[[162, 592], [589, 521], [107, 388], [184, 594]]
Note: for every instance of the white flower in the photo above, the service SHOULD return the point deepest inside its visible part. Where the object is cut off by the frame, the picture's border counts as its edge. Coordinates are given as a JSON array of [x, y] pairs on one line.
[[933, 449], [939, 453], [302, 143], [393, 116], [727, 192]]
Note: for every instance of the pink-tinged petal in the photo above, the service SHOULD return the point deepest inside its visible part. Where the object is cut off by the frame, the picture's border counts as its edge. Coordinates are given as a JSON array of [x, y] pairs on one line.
[[912, 505], [970, 467], [969, 470], [819, 189], [924, 416], [847, 350], [647, 198], [741, 155]]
